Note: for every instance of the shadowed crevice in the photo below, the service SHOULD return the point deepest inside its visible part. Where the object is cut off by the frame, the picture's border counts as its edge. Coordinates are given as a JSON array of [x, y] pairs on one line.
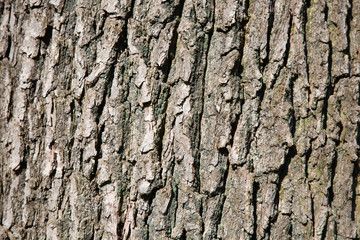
[[283, 172], [355, 177], [8, 50], [333, 166], [324, 231], [254, 204], [349, 18], [48, 35], [312, 212], [305, 14], [98, 151], [288, 42], [289, 95], [174, 40], [25, 154], [202, 106], [329, 88], [265, 62]]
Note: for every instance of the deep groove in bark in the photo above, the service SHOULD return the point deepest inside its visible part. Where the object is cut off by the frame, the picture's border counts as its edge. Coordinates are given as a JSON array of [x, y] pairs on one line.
[[312, 212], [354, 186], [48, 35], [305, 13], [8, 50], [287, 51], [57, 189], [173, 43], [123, 44], [323, 234], [98, 151], [333, 166], [356, 177], [283, 172], [234, 126], [254, 204], [292, 118], [10, 106], [349, 18], [329, 89], [265, 61], [197, 162]]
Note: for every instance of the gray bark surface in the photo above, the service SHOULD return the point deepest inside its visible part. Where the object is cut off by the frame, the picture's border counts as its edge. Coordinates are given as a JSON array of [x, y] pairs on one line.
[[183, 119]]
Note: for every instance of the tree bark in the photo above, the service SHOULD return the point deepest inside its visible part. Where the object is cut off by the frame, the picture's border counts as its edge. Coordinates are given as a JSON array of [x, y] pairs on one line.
[[183, 119]]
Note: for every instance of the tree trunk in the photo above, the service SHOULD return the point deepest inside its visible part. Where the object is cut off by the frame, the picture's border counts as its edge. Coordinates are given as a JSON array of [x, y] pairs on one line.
[[183, 119]]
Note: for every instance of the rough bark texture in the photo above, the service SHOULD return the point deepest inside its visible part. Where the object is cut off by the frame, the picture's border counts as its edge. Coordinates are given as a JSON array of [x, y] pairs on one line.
[[183, 119]]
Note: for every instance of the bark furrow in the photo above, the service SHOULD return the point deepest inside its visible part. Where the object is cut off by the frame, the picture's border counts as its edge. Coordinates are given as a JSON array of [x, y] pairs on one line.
[[153, 119]]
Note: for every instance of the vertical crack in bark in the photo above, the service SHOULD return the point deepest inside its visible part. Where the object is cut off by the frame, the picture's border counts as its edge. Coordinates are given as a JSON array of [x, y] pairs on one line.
[[283, 172], [161, 134], [292, 118], [287, 49], [355, 177], [348, 31], [99, 112], [166, 70], [210, 35], [48, 35], [254, 204], [81, 159], [324, 231], [260, 95], [8, 50], [175, 190], [203, 85], [330, 194], [329, 88], [123, 39], [2, 190], [183, 235], [238, 70], [264, 62], [106, 86], [325, 203], [92, 233], [305, 13], [312, 211], [149, 199], [98, 151], [326, 13], [225, 154], [307, 158], [234, 124], [72, 131], [174, 40], [121, 222], [329, 91], [10, 104]]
